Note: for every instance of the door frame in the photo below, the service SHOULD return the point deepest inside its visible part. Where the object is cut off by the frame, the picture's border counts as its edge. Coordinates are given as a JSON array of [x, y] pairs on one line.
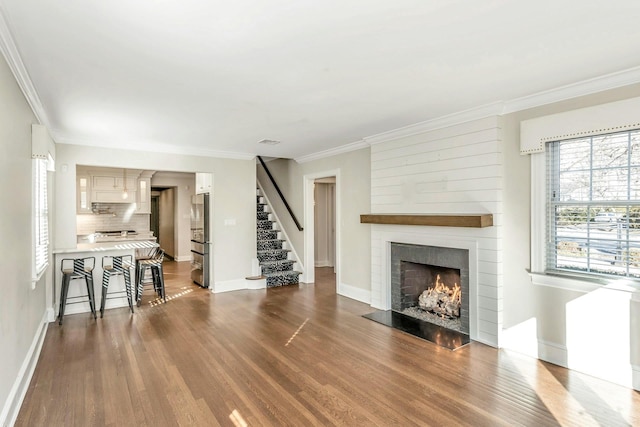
[[309, 227]]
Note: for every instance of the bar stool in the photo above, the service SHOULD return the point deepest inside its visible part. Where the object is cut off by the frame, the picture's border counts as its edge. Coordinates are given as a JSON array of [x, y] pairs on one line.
[[142, 256], [116, 266], [155, 265], [77, 268]]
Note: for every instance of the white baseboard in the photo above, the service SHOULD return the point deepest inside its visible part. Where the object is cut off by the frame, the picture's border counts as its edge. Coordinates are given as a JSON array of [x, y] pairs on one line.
[[238, 285], [323, 263], [358, 294], [635, 379], [12, 405], [553, 353], [51, 314], [182, 258]]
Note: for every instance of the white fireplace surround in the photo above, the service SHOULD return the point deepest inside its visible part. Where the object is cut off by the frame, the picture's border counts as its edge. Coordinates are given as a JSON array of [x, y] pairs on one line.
[[381, 282]]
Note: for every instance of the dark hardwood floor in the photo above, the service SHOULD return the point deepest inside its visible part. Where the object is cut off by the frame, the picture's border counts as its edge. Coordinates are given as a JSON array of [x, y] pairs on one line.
[[299, 356]]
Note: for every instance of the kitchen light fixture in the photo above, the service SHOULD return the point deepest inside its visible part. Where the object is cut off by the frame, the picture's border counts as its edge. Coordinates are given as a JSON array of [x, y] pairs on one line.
[[125, 193]]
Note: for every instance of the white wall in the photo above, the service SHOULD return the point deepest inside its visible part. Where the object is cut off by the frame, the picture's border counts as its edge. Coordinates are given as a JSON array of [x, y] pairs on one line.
[[561, 326], [22, 308], [354, 246], [233, 198], [453, 170]]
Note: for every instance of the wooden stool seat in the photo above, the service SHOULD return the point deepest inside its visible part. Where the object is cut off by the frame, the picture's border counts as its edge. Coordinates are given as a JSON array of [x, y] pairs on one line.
[[76, 268]]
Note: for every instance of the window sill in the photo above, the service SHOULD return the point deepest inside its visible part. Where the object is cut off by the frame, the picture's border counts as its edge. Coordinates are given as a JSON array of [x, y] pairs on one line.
[[38, 276], [577, 283]]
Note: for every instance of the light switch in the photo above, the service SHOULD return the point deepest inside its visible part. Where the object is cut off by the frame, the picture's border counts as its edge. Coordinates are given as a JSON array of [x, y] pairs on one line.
[[231, 221]]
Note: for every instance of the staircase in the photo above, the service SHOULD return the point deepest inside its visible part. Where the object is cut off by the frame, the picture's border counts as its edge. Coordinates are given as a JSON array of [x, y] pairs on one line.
[[274, 259]]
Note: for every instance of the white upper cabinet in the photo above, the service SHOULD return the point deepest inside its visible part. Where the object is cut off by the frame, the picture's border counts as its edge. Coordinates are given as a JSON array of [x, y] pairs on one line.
[[143, 204], [204, 183], [112, 185]]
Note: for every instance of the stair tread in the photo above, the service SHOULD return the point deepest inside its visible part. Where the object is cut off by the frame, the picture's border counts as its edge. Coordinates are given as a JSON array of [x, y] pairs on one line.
[[277, 262], [282, 273], [264, 251]]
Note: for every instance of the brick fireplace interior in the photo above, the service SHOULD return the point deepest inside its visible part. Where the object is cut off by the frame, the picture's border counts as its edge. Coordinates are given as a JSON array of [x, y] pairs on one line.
[[426, 282]]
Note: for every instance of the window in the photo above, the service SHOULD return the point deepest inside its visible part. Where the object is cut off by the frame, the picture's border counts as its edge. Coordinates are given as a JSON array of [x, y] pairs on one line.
[[593, 205], [40, 218]]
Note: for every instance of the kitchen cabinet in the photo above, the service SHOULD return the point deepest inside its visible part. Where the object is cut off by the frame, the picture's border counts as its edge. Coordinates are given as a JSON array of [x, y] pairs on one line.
[[204, 183], [113, 185], [143, 202], [83, 194]]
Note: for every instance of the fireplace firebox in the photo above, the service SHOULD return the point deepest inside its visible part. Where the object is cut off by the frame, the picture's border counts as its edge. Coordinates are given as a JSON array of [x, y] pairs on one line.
[[431, 284]]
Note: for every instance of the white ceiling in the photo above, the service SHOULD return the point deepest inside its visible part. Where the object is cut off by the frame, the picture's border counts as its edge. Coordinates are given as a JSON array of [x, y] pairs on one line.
[[215, 76]]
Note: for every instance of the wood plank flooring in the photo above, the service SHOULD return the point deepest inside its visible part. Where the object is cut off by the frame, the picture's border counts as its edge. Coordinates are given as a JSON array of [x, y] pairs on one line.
[[292, 356]]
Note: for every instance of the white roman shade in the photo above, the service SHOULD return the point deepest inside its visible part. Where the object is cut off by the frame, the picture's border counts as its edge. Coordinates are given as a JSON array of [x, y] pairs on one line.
[[605, 118]]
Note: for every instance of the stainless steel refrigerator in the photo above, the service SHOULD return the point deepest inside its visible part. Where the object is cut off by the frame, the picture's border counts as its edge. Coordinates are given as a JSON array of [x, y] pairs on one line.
[[200, 242]]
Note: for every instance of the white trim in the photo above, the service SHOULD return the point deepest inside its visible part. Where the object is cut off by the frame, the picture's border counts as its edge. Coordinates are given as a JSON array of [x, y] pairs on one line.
[[12, 404], [323, 263], [156, 147], [635, 377], [574, 90], [585, 87], [358, 294], [596, 120], [553, 353], [477, 113], [14, 60], [309, 227], [566, 283], [238, 285], [182, 258], [272, 211], [358, 145]]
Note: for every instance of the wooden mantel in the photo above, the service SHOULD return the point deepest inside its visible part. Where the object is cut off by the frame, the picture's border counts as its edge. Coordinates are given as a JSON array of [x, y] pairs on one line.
[[468, 220]]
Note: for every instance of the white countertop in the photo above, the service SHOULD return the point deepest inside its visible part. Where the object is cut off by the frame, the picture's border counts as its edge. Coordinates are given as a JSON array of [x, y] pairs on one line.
[[108, 246]]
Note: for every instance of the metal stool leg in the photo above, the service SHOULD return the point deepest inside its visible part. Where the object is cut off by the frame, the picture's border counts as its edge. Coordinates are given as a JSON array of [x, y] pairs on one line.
[[64, 290], [140, 284], [89, 280], [105, 285], [127, 284]]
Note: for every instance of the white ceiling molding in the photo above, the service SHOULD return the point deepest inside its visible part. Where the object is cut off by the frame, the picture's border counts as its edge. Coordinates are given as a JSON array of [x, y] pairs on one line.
[[574, 90], [333, 151], [156, 148], [12, 56], [481, 112], [586, 87]]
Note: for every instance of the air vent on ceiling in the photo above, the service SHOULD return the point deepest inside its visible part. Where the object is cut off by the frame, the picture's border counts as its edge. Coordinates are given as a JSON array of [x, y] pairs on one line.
[[269, 142]]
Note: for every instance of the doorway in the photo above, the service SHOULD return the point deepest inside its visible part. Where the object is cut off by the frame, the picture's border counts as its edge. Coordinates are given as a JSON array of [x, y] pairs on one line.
[[325, 222], [162, 220], [329, 226]]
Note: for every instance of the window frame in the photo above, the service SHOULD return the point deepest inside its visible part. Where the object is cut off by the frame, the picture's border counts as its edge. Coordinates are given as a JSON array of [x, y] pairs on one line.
[[40, 219]]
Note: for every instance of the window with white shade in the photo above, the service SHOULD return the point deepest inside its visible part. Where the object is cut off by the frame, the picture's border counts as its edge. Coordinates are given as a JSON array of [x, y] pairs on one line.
[[593, 205], [40, 218]]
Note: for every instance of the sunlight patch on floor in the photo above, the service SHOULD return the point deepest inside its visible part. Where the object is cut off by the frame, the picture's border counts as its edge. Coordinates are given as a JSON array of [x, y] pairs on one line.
[[558, 400], [297, 331], [158, 301], [237, 419]]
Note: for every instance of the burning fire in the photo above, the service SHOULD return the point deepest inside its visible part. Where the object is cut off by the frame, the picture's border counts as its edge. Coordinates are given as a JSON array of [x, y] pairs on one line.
[[441, 299]]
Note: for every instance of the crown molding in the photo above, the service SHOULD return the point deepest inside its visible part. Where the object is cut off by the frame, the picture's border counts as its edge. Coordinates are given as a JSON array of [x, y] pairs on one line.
[[562, 93], [154, 148], [14, 60], [481, 112], [574, 90], [333, 151]]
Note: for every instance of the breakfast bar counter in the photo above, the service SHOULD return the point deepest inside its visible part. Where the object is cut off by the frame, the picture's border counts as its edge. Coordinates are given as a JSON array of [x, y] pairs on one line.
[[98, 251]]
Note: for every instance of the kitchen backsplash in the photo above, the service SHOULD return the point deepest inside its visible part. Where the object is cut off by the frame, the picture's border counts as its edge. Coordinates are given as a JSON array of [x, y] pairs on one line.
[[124, 219]]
